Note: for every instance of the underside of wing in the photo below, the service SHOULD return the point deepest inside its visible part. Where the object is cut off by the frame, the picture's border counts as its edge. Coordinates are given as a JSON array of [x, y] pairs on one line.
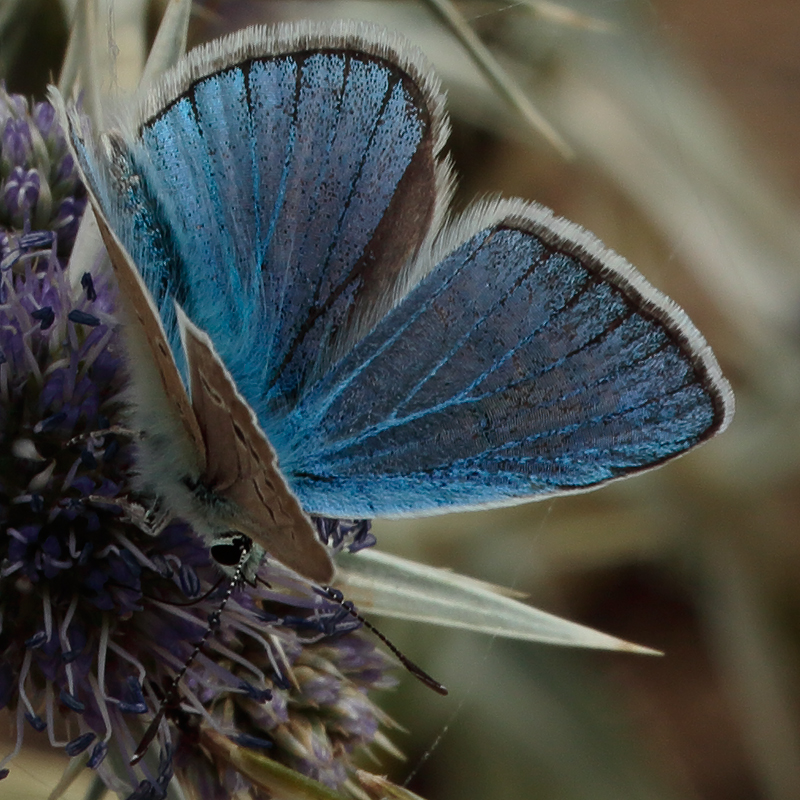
[[532, 361], [246, 491]]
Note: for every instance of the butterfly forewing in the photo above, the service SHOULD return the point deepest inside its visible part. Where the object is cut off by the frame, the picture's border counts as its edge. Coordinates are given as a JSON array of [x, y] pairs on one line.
[[298, 185]]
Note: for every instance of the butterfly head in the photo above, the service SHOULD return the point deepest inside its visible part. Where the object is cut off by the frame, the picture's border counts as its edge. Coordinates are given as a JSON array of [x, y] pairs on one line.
[[238, 556], [228, 551], [232, 533]]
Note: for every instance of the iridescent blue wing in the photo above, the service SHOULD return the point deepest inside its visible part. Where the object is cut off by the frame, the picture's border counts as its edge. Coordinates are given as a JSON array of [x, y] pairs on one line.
[[284, 191], [531, 361], [277, 186]]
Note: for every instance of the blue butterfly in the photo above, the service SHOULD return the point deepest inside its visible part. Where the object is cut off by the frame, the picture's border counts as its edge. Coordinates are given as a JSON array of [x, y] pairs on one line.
[[309, 333]]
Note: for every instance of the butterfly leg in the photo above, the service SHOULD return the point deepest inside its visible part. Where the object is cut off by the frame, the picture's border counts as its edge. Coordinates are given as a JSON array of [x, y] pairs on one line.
[[158, 516], [150, 521], [96, 436]]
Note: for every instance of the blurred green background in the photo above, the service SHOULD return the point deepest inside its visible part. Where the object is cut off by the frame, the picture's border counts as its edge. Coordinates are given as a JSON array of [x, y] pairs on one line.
[[684, 117]]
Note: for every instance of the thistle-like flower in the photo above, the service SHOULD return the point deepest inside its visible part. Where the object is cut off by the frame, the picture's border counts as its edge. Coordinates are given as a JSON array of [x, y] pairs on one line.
[[101, 605]]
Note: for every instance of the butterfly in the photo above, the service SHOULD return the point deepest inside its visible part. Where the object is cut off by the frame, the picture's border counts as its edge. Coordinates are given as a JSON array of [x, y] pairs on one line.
[[310, 332]]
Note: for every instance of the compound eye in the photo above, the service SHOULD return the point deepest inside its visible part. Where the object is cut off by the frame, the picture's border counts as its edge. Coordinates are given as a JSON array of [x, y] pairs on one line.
[[229, 553]]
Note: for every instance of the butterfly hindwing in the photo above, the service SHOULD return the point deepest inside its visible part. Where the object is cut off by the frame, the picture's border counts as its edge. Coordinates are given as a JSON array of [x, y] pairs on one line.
[[532, 361]]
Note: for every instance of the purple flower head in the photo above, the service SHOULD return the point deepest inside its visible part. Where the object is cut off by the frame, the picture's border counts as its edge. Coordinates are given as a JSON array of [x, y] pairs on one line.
[[102, 603]]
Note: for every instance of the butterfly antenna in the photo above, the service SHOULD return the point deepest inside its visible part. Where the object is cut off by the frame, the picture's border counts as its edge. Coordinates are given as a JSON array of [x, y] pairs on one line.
[[171, 697], [416, 671]]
